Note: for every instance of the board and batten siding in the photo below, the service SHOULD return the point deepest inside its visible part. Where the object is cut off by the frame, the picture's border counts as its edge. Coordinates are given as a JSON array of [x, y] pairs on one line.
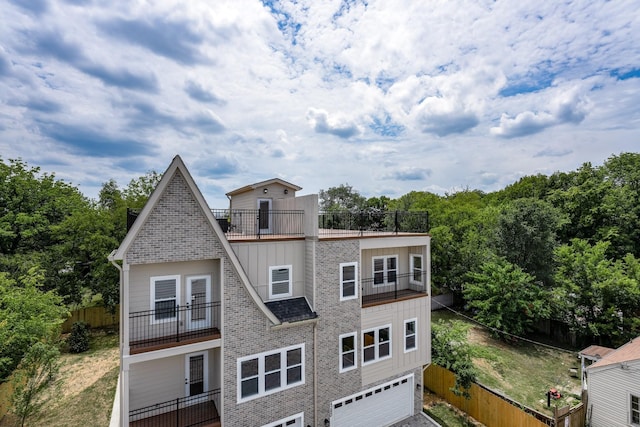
[[162, 380], [257, 257], [395, 314], [609, 389], [140, 280]]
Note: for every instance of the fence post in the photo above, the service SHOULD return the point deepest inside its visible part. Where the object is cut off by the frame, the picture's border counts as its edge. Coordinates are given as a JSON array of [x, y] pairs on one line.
[[178, 323], [396, 221], [177, 411]]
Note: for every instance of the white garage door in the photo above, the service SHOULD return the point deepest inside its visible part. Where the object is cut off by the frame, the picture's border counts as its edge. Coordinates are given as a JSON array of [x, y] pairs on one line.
[[379, 406]]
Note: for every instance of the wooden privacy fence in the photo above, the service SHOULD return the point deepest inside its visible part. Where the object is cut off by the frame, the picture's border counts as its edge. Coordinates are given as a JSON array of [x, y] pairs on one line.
[[96, 317], [493, 409]]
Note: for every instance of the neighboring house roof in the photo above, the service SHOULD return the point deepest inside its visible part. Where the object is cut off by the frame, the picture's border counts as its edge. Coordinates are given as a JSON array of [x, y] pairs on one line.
[[252, 187], [178, 165], [627, 353], [595, 352], [291, 310]]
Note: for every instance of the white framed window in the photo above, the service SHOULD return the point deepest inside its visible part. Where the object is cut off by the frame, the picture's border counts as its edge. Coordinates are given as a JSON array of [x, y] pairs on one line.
[[165, 298], [385, 270], [417, 270], [269, 372], [280, 281], [376, 344], [635, 410], [348, 280], [296, 420], [348, 351], [410, 335]]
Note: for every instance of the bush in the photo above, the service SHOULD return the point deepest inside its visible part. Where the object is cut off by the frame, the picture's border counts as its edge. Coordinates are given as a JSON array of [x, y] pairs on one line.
[[78, 341]]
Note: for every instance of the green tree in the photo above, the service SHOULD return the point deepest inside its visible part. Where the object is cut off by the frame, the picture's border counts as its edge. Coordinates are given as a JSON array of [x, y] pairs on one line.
[[343, 197], [449, 349], [505, 297], [27, 316]]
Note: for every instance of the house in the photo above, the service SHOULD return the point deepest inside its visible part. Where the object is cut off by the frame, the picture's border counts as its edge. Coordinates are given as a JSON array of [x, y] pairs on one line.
[[588, 356], [270, 313], [614, 388]]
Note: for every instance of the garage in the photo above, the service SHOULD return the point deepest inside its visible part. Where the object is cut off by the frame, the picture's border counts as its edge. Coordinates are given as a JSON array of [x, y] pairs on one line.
[[381, 405]]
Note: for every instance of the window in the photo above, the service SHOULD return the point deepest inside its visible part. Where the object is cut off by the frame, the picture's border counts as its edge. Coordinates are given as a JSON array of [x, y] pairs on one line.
[[164, 298], [296, 420], [416, 269], [635, 410], [280, 281], [385, 269], [348, 353], [376, 344], [348, 281], [269, 372], [410, 337]]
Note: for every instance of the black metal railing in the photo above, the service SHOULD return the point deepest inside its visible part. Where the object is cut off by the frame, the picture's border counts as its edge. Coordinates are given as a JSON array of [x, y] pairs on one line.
[[172, 323], [257, 223], [372, 222], [389, 287], [189, 411]]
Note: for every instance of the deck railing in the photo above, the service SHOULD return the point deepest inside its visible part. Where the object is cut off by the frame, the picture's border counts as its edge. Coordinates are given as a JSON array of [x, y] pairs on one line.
[[373, 222], [173, 324], [392, 287], [189, 411], [258, 223]]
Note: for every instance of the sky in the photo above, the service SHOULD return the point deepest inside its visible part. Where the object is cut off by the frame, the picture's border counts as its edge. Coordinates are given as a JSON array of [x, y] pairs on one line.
[[388, 96]]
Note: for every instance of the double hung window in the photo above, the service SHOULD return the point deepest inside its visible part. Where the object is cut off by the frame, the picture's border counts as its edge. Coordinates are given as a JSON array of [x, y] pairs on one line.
[[376, 344], [348, 353], [348, 281], [164, 298], [385, 270], [280, 281], [417, 270], [635, 410], [410, 336]]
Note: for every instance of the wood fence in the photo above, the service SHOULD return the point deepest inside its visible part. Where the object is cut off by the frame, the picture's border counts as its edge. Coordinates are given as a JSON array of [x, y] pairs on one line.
[[493, 409], [96, 317]]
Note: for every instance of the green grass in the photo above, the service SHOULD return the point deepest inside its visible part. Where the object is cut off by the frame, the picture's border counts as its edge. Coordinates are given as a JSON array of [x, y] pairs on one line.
[[447, 416], [522, 371]]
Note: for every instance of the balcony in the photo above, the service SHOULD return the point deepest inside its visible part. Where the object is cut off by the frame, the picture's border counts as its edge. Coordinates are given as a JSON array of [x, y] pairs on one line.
[[399, 287], [371, 222], [173, 325], [198, 410], [239, 224]]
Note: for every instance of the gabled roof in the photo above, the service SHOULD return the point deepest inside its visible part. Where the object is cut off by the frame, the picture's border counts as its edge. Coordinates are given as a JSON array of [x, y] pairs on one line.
[[178, 165], [629, 352], [252, 187], [596, 352]]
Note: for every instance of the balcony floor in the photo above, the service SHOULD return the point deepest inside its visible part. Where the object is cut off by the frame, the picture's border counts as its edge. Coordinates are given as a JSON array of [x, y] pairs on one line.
[[389, 297], [202, 414], [159, 343]]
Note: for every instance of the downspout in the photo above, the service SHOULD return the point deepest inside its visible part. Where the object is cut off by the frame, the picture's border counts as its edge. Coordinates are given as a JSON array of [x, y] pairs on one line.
[[315, 374], [122, 420]]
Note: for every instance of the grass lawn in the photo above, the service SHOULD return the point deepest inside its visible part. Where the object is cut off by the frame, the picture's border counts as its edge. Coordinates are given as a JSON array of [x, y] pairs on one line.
[[522, 371], [86, 387], [447, 416]]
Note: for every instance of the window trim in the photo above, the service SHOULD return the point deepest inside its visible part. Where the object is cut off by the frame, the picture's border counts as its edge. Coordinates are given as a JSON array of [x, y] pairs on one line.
[[631, 410], [290, 281], [355, 281], [262, 373], [385, 271], [153, 300], [341, 353], [412, 269], [415, 335], [376, 344], [296, 417]]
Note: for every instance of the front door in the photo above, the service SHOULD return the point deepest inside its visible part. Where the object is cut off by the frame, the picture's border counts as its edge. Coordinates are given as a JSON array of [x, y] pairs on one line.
[[198, 300], [196, 376], [264, 215]]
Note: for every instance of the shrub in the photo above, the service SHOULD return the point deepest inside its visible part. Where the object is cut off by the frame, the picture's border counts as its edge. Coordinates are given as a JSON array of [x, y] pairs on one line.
[[78, 341]]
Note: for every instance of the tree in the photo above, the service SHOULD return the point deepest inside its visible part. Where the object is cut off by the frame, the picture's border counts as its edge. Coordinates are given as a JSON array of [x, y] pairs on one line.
[[598, 297], [27, 316], [343, 197], [505, 297], [449, 349], [36, 372]]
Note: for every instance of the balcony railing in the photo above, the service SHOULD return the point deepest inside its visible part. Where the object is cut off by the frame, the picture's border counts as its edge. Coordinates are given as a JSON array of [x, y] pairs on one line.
[[393, 287], [153, 329], [259, 223], [198, 410], [372, 222]]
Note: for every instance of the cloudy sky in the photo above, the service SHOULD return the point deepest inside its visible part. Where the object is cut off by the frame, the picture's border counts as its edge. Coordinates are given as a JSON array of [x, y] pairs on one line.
[[386, 95]]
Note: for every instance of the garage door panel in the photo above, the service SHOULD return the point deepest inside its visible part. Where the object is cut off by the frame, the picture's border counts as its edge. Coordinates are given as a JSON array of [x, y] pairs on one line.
[[382, 405]]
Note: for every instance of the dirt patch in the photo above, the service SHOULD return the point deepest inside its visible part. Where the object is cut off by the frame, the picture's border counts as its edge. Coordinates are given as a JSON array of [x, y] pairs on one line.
[[79, 372]]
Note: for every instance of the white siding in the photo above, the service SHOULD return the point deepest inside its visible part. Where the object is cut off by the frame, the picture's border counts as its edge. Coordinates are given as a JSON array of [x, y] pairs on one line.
[[609, 391], [257, 257], [395, 314]]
